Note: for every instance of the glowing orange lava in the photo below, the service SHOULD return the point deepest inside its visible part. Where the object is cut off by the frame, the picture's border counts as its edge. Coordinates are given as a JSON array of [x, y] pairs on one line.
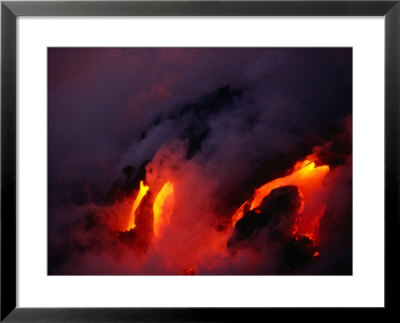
[[163, 208], [305, 175], [142, 192]]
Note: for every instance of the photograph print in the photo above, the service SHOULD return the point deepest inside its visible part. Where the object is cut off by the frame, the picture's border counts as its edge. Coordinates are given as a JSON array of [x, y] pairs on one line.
[[199, 161]]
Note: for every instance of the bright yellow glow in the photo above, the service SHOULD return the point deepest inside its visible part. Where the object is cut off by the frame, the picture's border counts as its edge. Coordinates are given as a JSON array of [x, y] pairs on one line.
[[305, 176], [163, 208], [142, 192]]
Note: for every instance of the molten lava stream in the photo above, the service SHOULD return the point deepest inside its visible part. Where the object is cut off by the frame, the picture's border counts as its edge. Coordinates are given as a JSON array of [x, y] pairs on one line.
[[142, 192], [306, 176], [163, 208]]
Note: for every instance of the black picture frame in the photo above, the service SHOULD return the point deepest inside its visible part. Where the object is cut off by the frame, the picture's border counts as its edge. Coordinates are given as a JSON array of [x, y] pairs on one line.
[[10, 10]]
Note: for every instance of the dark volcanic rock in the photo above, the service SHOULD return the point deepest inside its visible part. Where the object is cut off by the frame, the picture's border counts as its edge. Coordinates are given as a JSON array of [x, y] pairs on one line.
[[282, 200], [128, 237], [141, 236], [297, 252], [123, 187], [135, 239], [278, 211]]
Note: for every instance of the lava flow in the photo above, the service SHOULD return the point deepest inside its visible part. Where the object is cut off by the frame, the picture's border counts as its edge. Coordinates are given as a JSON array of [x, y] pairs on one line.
[[163, 208], [289, 208], [142, 192], [308, 178]]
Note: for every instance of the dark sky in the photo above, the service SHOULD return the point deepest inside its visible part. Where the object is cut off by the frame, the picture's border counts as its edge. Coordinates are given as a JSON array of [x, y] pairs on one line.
[[101, 100], [237, 110]]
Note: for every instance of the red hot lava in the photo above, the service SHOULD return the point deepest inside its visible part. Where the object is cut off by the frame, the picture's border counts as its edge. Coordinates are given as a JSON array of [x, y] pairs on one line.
[[306, 178]]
